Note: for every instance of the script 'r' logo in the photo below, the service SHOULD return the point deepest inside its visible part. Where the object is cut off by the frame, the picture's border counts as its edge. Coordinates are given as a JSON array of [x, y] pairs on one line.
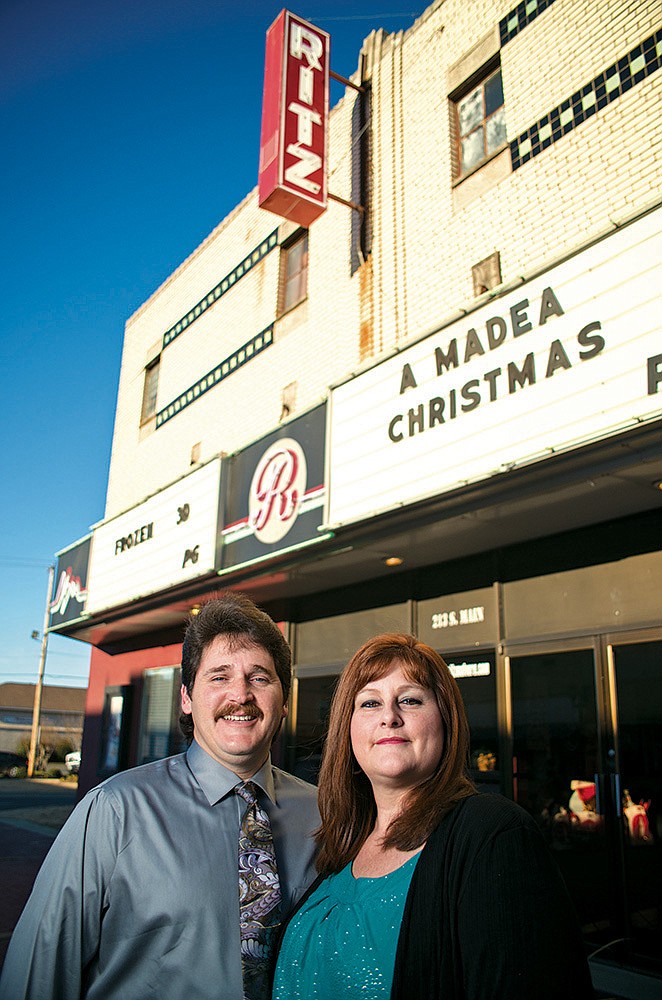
[[278, 486]]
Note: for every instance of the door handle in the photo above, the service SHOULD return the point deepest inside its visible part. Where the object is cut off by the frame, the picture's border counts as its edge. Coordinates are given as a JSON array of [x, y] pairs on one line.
[[599, 793], [616, 792]]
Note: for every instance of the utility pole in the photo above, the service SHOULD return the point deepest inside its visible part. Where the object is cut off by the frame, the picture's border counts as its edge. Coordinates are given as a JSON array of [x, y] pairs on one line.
[[36, 710]]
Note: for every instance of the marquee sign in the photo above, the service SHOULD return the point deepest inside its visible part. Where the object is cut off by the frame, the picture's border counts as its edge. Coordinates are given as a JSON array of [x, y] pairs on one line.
[[295, 110], [168, 539], [572, 356], [70, 584], [274, 492]]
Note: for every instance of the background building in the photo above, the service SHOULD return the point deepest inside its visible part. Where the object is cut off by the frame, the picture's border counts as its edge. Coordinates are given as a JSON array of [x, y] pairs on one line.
[[440, 414], [62, 714]]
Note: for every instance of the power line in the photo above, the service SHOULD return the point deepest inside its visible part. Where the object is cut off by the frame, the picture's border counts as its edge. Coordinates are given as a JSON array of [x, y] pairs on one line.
[[49, 676], [365, 17], [51, 653], [26, 562]]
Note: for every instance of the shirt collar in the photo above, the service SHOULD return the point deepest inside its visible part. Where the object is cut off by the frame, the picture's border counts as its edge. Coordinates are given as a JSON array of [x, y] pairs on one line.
[[217, 781]]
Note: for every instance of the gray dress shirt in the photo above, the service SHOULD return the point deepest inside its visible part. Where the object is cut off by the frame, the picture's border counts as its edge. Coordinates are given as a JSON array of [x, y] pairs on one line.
[[138, 897]]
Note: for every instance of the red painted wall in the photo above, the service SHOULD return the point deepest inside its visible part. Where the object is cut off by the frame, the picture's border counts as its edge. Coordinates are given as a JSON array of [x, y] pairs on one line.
[[108, 671]]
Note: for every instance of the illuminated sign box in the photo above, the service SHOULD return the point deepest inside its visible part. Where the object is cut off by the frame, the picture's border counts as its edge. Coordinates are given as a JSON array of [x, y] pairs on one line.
[[70, 586], [274, 492], [295, 110], [167, 540]]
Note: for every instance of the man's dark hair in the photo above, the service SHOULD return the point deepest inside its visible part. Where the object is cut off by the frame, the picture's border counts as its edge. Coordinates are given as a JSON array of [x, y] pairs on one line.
[[235, 617]]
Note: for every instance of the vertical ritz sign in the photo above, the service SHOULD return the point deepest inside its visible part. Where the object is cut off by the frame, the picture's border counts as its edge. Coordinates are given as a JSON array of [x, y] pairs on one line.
[[295, 113]]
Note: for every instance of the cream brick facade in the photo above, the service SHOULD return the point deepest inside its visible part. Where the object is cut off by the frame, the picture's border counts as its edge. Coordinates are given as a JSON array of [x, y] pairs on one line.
[[428, 229], [428, 233], [313, 344]]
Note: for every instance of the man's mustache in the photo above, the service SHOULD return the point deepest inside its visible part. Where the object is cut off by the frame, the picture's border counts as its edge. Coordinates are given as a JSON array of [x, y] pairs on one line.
[[236, 708]]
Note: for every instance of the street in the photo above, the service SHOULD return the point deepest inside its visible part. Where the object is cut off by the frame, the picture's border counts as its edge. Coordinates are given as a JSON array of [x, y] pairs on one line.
[[37, 794], [31, 814]]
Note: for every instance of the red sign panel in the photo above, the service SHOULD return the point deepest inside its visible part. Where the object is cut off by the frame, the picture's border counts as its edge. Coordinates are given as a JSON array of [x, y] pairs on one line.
[[295, 112]]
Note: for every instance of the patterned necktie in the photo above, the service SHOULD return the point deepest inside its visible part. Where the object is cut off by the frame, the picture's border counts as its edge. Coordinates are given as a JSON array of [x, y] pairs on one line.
[[259, 894]]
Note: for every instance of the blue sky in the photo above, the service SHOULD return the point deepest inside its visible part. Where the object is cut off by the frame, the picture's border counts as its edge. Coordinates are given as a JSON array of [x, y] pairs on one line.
[[130, 129]]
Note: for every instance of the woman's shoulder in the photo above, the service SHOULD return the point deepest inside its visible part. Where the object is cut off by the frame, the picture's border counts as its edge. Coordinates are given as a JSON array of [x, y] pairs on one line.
[[484, 813], [480, 826]]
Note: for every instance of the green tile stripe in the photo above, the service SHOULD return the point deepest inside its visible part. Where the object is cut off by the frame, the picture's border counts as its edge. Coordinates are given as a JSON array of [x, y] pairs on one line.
[[520, 17], [223, 370], [226, 283], [607, 86]]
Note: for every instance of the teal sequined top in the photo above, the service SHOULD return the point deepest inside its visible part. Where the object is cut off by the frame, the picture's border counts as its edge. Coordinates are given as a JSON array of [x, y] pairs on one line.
[[342, 942]]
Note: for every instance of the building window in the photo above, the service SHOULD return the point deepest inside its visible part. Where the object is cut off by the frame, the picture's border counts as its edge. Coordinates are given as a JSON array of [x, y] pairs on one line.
[[115, 728], [160, 735], [293, 272], [150, 387], [480, 122]]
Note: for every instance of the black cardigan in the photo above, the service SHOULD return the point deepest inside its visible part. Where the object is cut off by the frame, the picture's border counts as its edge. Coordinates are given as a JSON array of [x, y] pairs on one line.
[[487, 915]]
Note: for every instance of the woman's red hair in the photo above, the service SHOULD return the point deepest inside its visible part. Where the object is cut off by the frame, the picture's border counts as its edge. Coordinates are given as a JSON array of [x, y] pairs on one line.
[[346, 802]]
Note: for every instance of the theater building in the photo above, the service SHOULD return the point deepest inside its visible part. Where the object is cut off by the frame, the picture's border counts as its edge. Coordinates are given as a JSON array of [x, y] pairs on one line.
[[441, 413]]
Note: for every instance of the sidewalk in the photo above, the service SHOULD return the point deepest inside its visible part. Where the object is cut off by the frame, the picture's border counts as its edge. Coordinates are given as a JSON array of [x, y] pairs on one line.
[[22, 850], [25, 838]]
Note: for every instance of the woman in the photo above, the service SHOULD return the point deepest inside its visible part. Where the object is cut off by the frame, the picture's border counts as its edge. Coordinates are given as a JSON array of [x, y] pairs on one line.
[[426, 889]]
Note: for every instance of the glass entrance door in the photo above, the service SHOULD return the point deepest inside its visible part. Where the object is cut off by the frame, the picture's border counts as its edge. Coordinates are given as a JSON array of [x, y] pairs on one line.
[[304, 748], [556, 775], [587, 764], [475, 674], [636, 674]]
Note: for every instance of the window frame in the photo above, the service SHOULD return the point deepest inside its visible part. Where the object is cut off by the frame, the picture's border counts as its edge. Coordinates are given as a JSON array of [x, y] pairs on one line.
[[287, 279], [148, 405], [477, 79]]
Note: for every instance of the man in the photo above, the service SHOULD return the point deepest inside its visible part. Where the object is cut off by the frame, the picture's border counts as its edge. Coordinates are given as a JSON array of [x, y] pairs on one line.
[[140, 894]]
